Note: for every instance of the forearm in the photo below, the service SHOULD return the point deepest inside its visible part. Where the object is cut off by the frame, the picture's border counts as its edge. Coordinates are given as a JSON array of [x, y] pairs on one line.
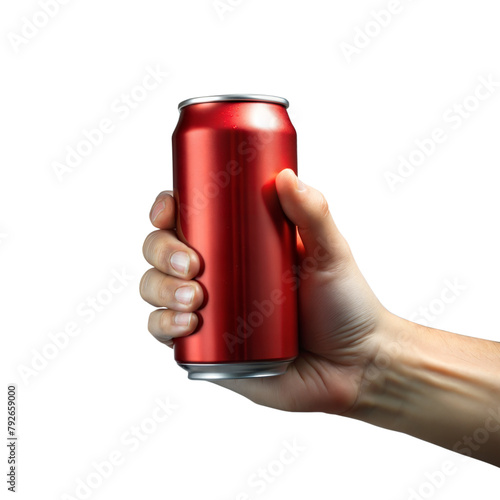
[[438, 386]]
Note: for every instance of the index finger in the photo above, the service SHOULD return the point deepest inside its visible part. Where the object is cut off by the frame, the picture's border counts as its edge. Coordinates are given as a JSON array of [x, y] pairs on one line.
[[162, 214]]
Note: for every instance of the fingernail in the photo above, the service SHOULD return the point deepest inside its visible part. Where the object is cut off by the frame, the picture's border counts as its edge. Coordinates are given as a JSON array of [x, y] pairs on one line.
[[184, 294], [180, 262], [157, 210], [182, 319], [300, 185]]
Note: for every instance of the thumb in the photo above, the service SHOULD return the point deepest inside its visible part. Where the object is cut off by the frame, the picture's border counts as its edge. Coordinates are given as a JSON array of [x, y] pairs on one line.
[[308, 209]]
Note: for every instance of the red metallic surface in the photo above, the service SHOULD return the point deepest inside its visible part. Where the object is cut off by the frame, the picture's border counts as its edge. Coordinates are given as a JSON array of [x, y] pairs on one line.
[[226, 156]]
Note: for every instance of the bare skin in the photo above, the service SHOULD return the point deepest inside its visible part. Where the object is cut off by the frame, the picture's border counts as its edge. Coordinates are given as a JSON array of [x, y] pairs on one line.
[[356, 358]]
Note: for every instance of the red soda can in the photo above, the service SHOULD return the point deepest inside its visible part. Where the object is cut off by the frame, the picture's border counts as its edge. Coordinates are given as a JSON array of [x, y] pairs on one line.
[[227, 151]]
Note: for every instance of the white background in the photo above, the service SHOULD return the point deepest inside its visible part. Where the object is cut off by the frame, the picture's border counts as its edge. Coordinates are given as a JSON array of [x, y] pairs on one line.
[[61, 240]]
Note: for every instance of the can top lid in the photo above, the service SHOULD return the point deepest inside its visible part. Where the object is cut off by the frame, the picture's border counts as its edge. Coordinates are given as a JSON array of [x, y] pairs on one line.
[[235, 98]]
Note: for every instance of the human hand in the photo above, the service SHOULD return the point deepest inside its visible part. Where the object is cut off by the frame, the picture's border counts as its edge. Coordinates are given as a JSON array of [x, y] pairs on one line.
[[340, 324]]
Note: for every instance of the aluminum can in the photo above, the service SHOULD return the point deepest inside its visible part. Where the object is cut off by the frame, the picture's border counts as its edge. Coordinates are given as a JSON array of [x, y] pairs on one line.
[[227, 151]]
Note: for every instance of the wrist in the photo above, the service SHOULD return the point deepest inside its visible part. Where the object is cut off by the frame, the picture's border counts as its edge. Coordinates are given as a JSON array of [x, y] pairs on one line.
[[435, 385], [383, 390]]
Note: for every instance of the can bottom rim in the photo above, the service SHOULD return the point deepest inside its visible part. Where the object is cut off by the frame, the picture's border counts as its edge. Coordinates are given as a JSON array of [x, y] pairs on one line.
[[218, 371]]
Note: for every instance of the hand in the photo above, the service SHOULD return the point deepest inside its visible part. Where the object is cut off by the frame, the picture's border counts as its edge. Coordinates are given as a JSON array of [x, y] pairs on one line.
[[356, 358], [340, 318]]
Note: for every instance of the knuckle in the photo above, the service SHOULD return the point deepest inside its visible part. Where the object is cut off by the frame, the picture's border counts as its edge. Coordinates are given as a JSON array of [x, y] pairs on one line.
[[323, 208], [165, 321], [152, 322], [163, 292], [160, 253], [148, 244], [156, 248], [144, 283]]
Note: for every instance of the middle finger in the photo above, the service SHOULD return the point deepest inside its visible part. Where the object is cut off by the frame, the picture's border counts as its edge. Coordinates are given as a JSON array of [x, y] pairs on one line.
[[161, 290]]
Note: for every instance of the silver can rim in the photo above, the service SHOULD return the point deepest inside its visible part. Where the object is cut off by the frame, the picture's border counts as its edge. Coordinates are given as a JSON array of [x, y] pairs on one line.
[[235, 98], [219, 371]]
